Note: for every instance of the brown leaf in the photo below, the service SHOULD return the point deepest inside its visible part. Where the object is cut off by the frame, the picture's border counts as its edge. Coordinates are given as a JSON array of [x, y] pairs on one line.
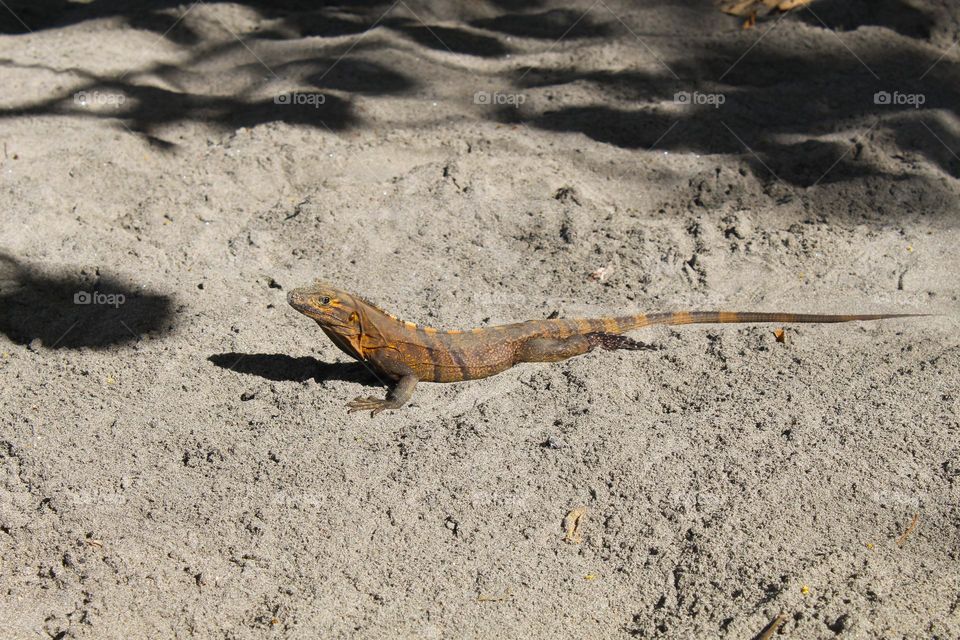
[[740, 8], [573, 524], [788, 5]]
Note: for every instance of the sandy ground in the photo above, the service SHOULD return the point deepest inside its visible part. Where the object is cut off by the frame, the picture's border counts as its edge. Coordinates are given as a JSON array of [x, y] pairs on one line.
[[176, 457]]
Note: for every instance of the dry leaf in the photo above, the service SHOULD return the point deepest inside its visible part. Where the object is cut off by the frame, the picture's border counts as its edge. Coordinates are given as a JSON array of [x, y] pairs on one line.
[[573, 524], [741, 8], [751, 8], [780, 335], [788, 5]]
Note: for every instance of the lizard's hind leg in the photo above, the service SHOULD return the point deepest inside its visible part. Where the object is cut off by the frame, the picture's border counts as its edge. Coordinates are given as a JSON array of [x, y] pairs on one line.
[[614, 341], [557, 349], [552, 349]]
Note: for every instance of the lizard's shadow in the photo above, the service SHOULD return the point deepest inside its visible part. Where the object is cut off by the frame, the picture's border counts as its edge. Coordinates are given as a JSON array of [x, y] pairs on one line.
[[284, 368]]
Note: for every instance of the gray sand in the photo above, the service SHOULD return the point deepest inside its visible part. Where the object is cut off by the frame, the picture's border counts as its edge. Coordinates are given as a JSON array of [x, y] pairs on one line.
[[181, 464]]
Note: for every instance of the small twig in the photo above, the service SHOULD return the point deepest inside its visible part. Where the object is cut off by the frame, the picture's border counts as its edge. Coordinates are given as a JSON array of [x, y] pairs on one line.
[[505, 596], [910, 528], [296, 210], [771, 628]]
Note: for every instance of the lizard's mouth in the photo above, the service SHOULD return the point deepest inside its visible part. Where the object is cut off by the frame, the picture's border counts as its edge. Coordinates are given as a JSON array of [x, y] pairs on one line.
[[295, 300], [301, 302]]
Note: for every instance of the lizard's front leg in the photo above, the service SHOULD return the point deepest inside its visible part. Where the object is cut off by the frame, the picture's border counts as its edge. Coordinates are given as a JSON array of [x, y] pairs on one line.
[[395, 399]]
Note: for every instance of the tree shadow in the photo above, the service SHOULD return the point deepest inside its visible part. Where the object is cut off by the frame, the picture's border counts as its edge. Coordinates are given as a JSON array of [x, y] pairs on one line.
[[931, 135], [283, 368], [778, 110], [552, 24], [162, 17], [265, 88], [447, 38], [317, 24], [70, 312], [517, 5], [24, 16], [352, 75], [145, 108], [801, 115], [849, 15]]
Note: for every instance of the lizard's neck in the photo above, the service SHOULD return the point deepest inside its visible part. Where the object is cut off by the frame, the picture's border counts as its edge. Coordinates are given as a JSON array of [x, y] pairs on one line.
[[349, 343], [379, 327]]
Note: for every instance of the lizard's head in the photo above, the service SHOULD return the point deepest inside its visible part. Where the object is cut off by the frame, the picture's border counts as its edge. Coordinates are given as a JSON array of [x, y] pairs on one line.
[[331, 308]]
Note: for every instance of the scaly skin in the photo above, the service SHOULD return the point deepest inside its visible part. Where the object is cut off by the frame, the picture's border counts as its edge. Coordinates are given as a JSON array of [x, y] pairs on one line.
[[407, 353]]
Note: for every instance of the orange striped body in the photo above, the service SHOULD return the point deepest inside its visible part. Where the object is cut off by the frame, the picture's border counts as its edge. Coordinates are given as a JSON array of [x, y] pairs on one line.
[[409, 353], [394, 347], [397, 348]]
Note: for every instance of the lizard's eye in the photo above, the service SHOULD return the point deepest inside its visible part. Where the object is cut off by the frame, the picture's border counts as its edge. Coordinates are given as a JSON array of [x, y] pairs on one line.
[[324, 300]]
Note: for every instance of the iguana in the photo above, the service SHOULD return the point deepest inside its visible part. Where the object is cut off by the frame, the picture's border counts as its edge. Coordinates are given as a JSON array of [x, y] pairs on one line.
[[407, 353]]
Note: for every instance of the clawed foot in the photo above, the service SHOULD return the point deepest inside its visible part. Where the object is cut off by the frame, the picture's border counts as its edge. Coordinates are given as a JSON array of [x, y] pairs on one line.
[[613, 341], [371, 404], [397, 397]]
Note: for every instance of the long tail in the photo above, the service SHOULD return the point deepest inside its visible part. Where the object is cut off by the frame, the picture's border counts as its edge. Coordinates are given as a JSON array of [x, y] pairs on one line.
[[629, 323]]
